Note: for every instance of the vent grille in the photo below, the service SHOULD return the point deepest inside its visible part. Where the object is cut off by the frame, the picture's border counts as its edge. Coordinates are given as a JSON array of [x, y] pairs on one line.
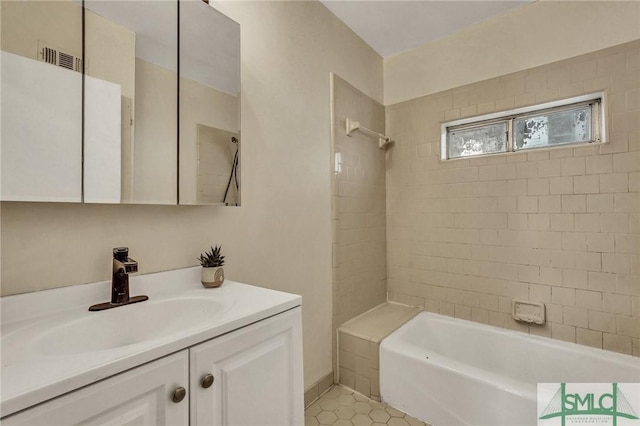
[[49, 55], [66, 61], [53, 56]]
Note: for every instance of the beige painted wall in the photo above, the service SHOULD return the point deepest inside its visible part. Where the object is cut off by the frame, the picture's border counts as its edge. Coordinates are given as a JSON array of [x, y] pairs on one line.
[[281, 236], [359, 208], [24, 23], [559, 226], [109, 50], [155, 129], [528, 36]]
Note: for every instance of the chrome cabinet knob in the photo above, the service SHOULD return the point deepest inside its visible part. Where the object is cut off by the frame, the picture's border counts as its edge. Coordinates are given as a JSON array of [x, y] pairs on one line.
[[179, 394], [207, 380]]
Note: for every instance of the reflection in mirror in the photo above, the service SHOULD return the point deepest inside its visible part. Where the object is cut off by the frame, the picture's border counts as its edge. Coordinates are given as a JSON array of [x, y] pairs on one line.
[[218, 179], [131, 102], [41, 86], [209, 139]]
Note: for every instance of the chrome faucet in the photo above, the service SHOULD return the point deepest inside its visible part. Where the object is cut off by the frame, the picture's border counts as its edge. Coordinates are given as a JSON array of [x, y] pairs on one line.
[[123, 265]]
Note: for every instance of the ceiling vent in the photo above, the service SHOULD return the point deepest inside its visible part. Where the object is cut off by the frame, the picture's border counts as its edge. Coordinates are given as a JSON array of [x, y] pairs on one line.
[[54, 56]]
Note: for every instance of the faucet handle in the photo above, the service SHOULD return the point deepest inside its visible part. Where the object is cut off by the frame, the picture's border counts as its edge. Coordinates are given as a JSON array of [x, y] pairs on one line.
[[121, 253]]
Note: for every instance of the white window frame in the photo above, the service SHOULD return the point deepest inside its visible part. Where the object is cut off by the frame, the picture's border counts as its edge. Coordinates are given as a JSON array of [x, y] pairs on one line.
[[598, 127]]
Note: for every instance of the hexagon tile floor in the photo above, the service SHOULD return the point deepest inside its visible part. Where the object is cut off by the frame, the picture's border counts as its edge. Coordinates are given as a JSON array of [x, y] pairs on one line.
[[343, 407]]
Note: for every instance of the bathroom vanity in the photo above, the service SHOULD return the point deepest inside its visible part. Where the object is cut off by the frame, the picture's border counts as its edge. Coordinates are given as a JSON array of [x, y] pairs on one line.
[[187, 356]]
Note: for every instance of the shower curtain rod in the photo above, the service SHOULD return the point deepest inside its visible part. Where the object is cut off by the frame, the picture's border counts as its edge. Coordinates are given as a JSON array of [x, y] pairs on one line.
[[352, 126]]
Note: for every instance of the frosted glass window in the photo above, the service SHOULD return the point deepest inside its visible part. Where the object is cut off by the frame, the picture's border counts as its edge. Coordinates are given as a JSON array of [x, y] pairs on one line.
[[578, 120], [486, 139], [555, 128]]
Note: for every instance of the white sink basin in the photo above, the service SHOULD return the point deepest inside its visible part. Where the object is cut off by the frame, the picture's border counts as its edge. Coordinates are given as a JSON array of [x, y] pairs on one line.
[[128, 325], [79, 331]]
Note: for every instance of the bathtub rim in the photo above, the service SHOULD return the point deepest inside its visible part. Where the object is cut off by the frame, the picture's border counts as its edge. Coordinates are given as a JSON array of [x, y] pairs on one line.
[[631, 360]]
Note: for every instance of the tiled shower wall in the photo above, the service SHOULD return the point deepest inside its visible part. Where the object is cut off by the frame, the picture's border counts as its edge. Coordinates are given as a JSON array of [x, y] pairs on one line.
[[559, 226], [359, 217]]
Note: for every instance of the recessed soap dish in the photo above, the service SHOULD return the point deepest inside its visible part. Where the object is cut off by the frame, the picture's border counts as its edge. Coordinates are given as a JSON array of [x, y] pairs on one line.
[[526, 311]]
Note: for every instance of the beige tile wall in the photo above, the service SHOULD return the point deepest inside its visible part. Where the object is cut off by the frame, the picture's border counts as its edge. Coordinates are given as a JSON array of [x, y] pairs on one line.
[[358, 206], [315, 391], [360, 364], [359, 345], [559, 226]]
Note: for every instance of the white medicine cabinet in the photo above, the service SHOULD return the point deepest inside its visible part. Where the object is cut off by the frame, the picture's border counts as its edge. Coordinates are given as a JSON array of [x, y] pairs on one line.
[[119, 102]]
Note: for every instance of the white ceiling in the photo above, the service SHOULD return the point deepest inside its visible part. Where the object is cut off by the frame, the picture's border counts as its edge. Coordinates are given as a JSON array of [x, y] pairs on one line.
[[392, 27]]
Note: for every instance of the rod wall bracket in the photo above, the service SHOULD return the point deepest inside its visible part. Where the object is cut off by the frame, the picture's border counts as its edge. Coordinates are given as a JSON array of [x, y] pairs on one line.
[[351, 126]]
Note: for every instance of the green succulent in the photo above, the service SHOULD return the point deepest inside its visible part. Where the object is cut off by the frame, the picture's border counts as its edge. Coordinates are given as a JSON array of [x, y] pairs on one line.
[[212, 259]]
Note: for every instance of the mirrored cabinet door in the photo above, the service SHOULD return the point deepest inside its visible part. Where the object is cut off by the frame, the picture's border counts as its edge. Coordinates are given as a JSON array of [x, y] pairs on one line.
[[130, 111], [41, 111], [209, 106]]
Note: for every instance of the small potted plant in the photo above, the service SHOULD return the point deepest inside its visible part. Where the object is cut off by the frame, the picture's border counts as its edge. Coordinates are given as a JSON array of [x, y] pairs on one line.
[[212, 272]]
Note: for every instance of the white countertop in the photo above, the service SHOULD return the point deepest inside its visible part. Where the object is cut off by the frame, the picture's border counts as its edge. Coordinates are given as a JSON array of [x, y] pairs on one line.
[[30, 375]]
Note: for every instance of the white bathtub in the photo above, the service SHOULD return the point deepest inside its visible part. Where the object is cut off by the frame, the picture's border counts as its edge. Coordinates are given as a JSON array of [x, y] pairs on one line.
[[448, 371]]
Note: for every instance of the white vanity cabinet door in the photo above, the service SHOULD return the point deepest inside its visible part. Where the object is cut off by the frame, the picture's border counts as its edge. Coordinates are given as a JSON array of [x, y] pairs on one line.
[[141, 396], [257, 372]]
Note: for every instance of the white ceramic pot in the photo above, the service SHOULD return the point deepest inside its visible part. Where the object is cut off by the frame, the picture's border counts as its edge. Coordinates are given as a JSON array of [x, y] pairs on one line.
[[212, 277]]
